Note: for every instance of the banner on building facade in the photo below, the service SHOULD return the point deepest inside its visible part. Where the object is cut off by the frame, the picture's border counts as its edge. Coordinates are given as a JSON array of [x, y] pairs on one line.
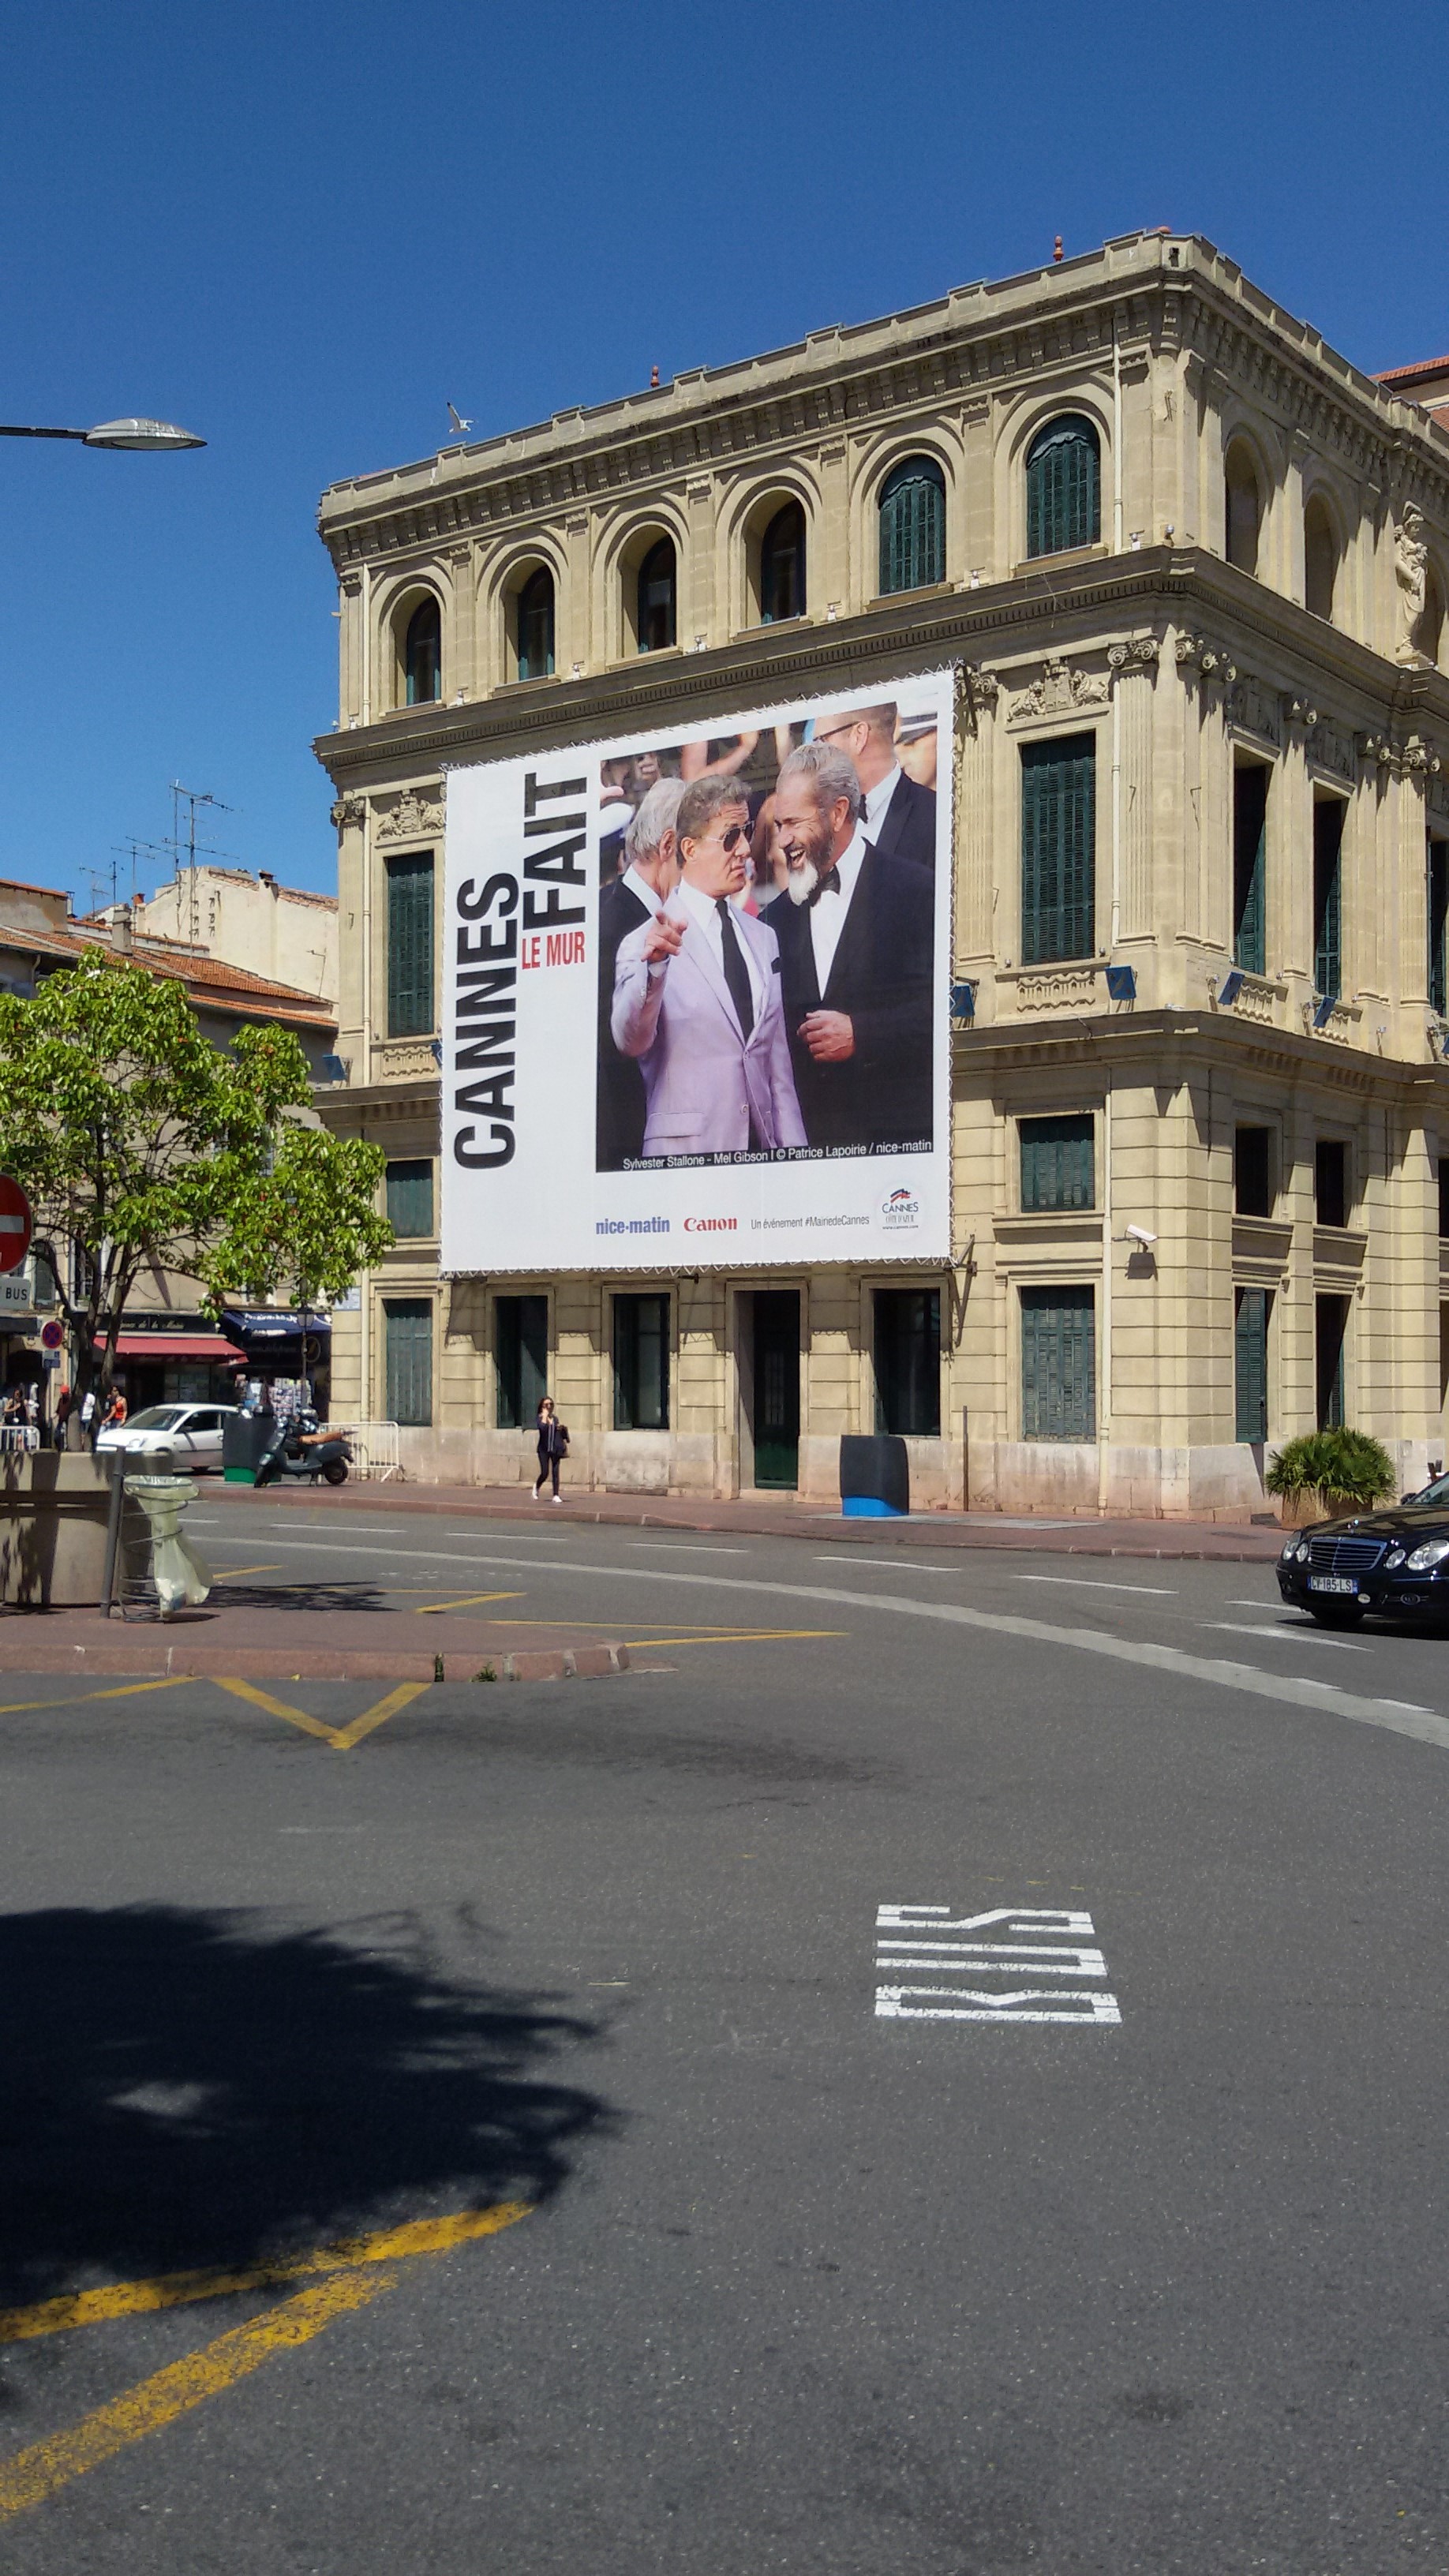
[[697, 994]]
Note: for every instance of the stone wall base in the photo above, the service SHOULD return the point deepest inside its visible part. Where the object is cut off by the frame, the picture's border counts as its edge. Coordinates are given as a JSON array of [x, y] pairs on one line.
[[1060, 1479]]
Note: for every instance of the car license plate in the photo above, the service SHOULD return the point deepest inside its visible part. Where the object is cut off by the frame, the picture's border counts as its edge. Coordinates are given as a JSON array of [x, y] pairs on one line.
[[1332, 1583]]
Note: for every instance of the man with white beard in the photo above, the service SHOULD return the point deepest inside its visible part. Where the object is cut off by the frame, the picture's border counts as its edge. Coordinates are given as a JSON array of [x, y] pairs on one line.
[[856, 934]]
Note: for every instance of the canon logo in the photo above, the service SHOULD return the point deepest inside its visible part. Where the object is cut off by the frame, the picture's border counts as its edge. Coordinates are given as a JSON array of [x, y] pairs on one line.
[[711, 1225]]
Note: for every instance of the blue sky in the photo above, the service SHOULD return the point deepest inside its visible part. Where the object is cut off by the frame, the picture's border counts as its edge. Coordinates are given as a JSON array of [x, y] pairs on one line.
[[299, 230]]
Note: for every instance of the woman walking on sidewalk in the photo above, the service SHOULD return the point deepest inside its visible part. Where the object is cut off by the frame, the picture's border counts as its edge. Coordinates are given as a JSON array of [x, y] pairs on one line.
[[553, 1445]]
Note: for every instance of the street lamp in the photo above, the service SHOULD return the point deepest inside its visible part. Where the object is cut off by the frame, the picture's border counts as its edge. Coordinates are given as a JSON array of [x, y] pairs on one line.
[[114, 433]]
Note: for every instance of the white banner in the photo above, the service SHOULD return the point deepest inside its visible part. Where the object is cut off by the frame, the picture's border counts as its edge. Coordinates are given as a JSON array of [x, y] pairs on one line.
[[697, 994]]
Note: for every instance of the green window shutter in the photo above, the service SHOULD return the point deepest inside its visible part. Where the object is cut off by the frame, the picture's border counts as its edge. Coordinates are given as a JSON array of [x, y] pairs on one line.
[[1250, 1362], [535, 627], [410, 1197], [1438, 919], [410, 945], [1250, 869], [913, 526], [1058, 849], [1328, 821], [408, 1326], [1058, 1364], [908, 1362], [641, 1363], [1063, 488], [1056, 1163], [520, 1351]]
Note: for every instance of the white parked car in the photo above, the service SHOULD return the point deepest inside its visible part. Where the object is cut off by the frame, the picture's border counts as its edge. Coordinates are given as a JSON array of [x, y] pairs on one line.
[[192, 1430]]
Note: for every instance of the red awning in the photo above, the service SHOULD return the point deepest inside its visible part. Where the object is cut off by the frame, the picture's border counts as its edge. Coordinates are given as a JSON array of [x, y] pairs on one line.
[[173, 1346]]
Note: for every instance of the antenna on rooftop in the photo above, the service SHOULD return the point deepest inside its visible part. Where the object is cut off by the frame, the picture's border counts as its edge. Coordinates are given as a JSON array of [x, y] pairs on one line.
[[192, 797]]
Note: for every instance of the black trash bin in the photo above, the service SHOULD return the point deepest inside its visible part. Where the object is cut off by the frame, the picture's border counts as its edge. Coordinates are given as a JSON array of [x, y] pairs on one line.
[[244, 1436], [875, 1477]]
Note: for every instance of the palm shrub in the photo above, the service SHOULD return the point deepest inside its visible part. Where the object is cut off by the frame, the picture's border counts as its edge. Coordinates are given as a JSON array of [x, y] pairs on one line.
[[1345, 1464]]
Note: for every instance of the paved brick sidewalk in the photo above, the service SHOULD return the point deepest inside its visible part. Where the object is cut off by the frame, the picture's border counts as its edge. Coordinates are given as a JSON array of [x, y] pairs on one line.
[[1224, 1541]]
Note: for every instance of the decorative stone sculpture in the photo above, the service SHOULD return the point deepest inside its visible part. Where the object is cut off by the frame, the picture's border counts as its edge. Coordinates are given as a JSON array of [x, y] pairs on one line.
[[1411, 567]]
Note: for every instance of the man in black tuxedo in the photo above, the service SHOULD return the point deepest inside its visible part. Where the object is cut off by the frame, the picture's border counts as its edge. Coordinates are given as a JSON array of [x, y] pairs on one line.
[[899, 817], [856, 929], [635, 896]]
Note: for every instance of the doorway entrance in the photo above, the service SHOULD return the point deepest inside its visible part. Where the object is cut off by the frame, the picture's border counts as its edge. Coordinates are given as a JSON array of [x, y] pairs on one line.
[[772, 1386]]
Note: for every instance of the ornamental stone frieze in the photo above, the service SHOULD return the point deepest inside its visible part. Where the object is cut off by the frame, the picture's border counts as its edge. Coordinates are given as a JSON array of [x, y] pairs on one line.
[[1061, 988], [1329, 748], [1252, 708], [402, 1060], [411, 818], [1060, 691], [349, 813]]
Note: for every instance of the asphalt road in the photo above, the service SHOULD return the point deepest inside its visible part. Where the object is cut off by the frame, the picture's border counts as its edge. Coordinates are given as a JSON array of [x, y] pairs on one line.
[[1154, 2284]]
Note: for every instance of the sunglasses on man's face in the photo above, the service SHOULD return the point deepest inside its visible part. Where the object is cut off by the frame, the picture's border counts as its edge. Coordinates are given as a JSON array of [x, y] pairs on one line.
[[731, 839]]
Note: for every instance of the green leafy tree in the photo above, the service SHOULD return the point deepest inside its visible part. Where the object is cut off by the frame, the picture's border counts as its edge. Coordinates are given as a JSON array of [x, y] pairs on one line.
[[306, 1226], [141, 1146]]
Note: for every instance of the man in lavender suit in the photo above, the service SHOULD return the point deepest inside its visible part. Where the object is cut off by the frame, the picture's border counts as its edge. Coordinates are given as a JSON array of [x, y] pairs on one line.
[[697, 997]]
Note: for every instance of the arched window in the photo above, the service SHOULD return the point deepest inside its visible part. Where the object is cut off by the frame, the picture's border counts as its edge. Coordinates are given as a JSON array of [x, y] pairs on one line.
[[782, 566], [658, 594], [1320, 558], [423, 654], [1063, 487], [913, 526], [1244, 508], [535, 626]]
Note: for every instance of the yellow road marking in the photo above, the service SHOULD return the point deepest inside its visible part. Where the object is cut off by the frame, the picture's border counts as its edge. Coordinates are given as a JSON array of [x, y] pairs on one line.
[[341, 1738], [122, 1690], [739, 1637], [180, 2289], [279, 1708], [346, 1736], [234, 1573], [34, 2474], [429, 1609]]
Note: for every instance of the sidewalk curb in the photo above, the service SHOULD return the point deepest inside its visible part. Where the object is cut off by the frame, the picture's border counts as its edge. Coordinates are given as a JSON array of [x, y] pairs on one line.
[[136, 1658]]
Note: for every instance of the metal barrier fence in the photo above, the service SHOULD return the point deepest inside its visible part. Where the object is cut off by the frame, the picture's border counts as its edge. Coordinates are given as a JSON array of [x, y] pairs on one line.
[[375, 1449], [16, 1437]]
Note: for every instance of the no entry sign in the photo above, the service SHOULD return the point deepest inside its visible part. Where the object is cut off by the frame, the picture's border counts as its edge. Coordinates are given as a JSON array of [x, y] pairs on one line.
[[15, 1223]]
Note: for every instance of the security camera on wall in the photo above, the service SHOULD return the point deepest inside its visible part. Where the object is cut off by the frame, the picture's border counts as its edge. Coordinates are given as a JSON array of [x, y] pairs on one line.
[[1139, 1234]]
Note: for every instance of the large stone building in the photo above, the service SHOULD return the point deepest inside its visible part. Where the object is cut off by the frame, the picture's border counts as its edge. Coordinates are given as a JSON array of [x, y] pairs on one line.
[[1192, 567]]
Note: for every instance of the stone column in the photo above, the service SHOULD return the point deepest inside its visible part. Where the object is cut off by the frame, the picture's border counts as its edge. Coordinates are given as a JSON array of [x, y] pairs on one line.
[[975, 943], [1134, 668]]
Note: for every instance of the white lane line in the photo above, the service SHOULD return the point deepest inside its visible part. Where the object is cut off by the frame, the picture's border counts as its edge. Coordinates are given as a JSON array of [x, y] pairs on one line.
[[892, 1561], [1097, 1583], [683, 1547], [1397, 1716], [1284, 1636]]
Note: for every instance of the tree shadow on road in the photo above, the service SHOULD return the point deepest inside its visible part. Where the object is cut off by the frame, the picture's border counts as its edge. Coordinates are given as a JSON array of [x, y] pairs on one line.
[[181, 2088]]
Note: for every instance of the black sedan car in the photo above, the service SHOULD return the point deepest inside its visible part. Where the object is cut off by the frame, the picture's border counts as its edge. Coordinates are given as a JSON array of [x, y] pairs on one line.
[[1393, 1563]]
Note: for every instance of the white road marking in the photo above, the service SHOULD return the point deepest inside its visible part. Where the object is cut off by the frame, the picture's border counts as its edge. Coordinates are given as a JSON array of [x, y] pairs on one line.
[[1283, 1636], [1098, 1583], [1046, 1954], [850, 1557], [683, 1547], [1399, 1717]]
